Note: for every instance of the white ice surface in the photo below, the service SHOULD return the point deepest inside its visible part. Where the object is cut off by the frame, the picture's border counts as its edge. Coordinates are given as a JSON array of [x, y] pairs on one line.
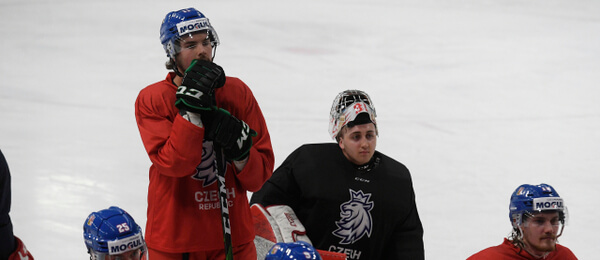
[[475, 96]]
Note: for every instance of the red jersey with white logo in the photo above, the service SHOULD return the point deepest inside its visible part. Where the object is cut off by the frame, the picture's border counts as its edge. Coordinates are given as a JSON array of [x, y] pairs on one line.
[[184, 212]]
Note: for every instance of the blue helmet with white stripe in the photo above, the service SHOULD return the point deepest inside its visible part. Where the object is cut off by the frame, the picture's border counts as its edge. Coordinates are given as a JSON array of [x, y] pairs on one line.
[[530, 199], [292, 251], [181, 23], [112, 231]]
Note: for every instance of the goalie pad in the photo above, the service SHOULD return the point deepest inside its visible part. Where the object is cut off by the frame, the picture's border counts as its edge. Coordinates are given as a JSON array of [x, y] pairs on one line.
[[327, 255], [279, 223], [264, 225], [289, 225], [266, 230], [263, 246]]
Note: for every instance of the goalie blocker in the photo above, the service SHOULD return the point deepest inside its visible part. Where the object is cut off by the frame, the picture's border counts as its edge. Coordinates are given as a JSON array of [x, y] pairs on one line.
[[279, 223]]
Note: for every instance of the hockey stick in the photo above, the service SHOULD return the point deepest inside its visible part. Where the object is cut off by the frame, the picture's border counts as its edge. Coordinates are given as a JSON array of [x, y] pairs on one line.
[[224, 202]]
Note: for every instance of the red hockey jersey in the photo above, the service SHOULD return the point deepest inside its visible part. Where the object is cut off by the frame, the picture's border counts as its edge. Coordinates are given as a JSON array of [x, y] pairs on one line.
[[508, 251], [21, 253], [184, 213]]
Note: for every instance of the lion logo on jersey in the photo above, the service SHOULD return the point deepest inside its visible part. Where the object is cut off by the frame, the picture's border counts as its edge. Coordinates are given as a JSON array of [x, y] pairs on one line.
[[206, 171], [356, 218]]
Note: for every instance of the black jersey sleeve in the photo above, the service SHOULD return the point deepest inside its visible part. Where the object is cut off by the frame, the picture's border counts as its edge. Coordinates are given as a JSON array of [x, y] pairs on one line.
[[407, 238], [281, 188]]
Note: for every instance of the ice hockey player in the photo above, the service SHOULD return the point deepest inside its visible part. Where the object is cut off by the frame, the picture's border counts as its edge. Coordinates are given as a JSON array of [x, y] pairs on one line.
[[538, 216], [292, 251], [349, 197], [11, 247], [181, 120], [112, 234]]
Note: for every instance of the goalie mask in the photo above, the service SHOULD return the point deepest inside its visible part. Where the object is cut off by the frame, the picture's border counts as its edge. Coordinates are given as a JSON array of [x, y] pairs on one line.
[[112, 232], [350, 107], [527, 200], [292, 251]]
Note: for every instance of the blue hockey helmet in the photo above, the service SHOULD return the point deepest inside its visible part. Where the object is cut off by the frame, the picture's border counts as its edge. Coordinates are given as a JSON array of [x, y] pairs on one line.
[[112, 231], [530, 199], [177, 24], [293, 251]]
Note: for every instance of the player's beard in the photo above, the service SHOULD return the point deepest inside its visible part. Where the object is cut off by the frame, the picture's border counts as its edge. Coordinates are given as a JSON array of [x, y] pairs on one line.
[[543, 245]]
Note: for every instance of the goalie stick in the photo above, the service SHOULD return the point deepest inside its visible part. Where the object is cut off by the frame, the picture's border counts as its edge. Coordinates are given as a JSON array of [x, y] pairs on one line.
[[223, 200]]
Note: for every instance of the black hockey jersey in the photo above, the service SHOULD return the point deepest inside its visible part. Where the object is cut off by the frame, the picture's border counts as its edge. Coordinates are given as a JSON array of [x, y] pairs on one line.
[[367, 213]]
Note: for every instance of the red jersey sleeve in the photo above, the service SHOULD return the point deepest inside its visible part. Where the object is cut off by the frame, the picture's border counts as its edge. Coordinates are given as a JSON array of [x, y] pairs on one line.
[[167, 137], [21, 252]]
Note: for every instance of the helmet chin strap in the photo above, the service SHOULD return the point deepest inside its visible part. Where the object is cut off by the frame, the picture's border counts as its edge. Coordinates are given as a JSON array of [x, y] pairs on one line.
[[562, 227], [214, 52], [177, 72], [520, 233]]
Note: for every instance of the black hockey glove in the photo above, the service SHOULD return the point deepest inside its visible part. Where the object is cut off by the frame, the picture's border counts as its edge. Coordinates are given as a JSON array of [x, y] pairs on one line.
[[234, 135], [197, 91]]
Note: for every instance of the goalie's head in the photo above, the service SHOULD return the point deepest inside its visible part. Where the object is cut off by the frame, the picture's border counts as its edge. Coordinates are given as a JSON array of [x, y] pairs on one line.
[[350, 107], [292, 251], [113, 234]]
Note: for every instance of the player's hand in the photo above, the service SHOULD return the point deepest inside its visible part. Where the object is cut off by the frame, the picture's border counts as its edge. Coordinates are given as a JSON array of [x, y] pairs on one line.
[[197, 91], [234, 135]]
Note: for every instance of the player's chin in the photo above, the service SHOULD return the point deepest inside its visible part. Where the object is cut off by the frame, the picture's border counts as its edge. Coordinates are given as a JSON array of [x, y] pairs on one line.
[[548, 244], [364, 158]]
